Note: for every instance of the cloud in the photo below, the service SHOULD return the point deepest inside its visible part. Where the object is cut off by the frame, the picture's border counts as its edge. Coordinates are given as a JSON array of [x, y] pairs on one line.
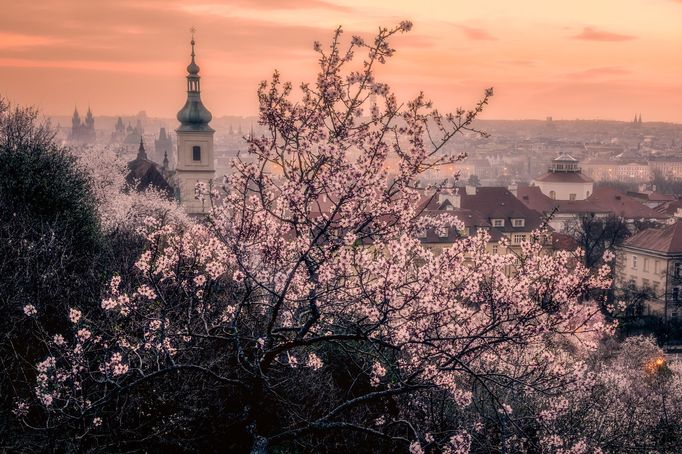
[[21, 41], [476, 34], [592, 34], [527, 63], [286, 4], [605, 71]]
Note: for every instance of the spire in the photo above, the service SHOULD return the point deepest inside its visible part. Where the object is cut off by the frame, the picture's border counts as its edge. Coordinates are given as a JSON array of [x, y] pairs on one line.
[[89, 119], [165, 160], [75, 119], [194, 116], [193, 68], [141, 154]]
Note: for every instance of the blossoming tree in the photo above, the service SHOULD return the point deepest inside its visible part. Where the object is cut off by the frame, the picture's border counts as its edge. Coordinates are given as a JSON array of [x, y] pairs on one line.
[[306, 307]]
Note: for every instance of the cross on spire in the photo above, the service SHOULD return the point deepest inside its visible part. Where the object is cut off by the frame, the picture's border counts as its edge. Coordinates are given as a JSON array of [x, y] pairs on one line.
[[192, 31]]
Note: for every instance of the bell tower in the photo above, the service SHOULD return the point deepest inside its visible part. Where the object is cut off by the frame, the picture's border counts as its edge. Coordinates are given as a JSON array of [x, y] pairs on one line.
[[195, 161]]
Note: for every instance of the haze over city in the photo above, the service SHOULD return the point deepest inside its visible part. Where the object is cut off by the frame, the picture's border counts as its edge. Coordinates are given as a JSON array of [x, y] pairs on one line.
[[608, 59]]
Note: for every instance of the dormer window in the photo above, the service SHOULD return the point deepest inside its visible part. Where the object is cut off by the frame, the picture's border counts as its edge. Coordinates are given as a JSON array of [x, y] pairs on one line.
[[518, 222], [443, 233], [196, 153], [498, 222]]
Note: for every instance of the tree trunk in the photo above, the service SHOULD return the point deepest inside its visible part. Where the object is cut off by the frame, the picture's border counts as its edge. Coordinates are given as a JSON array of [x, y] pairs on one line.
[[260, 445]]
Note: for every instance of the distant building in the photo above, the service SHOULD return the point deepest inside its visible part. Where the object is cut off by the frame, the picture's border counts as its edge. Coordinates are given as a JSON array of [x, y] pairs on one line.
[[144, 173], [119, 134], [195, 160], [670, 168], [163, 144], [564, 180], [622, 171], [82, 132]]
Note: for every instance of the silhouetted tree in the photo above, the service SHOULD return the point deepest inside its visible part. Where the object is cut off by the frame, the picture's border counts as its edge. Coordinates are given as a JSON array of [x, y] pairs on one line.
[[595, 235]]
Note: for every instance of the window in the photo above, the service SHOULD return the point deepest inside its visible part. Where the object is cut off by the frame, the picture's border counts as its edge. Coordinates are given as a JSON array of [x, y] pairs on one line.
[[498, 222], [494, 248], [518, 238], [196, 153], [645, 283], [656, 267], [646, 265], [655, 288], [443, 233], [552, 195], [677, 269], [571, 196], [518, 222], [587, 194], [421, 233], [634, 262], [676, 293]]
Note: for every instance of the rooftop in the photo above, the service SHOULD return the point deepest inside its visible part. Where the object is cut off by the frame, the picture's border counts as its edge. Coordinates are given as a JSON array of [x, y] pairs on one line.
[[667, 240]]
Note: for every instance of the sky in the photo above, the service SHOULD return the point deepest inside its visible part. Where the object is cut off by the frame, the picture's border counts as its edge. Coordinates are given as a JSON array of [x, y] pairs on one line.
[[587, 59]]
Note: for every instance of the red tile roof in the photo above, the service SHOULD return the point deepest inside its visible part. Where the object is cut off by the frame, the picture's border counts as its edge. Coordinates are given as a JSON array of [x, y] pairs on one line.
[[499, 203], [564, 177], [667, 240], [604, 200]]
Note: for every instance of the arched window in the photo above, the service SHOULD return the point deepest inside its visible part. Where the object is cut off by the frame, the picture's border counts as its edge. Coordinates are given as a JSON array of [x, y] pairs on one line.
[[196, 153], [552, 195]]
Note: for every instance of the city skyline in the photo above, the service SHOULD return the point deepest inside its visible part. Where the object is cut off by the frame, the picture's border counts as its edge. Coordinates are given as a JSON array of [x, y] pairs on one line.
[[607, 61]]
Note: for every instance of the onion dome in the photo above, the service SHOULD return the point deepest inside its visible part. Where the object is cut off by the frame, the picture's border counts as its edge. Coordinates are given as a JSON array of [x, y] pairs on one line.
[[194, 116]]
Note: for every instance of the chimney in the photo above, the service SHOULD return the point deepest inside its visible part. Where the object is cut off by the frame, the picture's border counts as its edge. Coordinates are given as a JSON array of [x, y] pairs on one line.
[[454, 199], [471, 189]]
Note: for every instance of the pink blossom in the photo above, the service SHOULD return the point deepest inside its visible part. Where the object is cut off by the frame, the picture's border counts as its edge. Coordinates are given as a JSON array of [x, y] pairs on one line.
[[74, 315]]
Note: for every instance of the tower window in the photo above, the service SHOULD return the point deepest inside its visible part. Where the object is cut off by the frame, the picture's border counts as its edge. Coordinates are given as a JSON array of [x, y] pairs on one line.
[[196, 153]]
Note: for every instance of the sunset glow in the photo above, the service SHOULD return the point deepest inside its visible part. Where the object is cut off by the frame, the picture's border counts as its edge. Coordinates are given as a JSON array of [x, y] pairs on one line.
[[583, 59]]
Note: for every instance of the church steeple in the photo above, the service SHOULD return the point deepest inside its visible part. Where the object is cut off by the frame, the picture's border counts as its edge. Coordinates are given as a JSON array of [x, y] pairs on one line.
[[195, 159], [75, 119], [194, 116], [141, 153], [89, 119]]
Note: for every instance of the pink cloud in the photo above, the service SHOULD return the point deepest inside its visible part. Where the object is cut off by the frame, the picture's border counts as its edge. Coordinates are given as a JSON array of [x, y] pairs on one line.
[[527, 63], [606, 71], [476, 34], [592, 34]]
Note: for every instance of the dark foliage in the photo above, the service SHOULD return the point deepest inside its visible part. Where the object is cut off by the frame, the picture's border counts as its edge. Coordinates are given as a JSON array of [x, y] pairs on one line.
[[49, 247]]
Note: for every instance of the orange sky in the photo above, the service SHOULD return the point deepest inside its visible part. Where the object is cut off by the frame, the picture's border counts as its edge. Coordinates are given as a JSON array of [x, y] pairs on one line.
[[569, 59]]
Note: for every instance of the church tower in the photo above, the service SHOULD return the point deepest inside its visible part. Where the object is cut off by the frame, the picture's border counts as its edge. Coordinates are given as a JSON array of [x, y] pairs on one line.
[[195, 143]]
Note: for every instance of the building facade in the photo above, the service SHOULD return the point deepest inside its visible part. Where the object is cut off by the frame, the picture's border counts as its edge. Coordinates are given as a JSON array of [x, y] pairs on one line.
[[652, 261]]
